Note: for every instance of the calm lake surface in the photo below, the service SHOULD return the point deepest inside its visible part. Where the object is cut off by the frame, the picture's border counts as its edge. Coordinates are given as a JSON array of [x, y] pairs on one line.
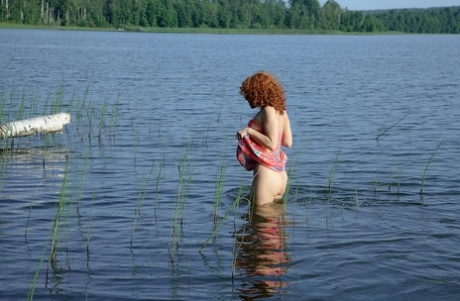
[[140, 197]]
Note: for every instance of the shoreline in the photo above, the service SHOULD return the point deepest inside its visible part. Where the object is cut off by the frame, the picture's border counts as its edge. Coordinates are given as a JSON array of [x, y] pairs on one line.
[[178, 30]]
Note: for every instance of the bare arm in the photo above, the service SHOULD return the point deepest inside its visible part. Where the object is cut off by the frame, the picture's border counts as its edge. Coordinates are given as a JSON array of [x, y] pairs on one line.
[[287, 133], [270, 121]]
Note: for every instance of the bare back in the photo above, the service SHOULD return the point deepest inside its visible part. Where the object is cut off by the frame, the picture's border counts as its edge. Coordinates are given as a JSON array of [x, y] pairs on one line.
[[269, 185]]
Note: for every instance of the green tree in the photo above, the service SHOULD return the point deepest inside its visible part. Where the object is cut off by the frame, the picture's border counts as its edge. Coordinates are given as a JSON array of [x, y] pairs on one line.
[[166, 16], [331, 15], [273, 14], [304, 14], [300, 14], [184, 13], [152, 12], [207, 14], [225, 13]]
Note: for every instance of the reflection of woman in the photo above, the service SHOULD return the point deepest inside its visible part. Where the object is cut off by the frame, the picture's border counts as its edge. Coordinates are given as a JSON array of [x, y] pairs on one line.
[[259, 145], [262, 251]]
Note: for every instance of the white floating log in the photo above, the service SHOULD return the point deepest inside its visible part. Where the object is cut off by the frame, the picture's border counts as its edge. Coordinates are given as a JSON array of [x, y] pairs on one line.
[[44, 124]]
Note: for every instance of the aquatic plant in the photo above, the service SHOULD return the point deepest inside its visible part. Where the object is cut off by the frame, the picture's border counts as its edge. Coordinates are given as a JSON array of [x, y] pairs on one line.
[[293, 163], [143, 191], [80, 106], [20, 113], [2, 106], [429, 162], [331, 174], [383, 130], [71, 101], [114, 115], [31, 207], [3, 142], [62, 212], [237, 247], [91, 114], [241, 191], [185, 178], [30, 294], [83, 174], [137, 136], [59, 217], [101, 119], [157, 182], [90, 227], [219, 182], [58, 101]]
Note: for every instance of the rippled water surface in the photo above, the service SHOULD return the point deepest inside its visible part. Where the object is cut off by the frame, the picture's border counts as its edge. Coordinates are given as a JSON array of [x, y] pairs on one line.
[[140, 197]]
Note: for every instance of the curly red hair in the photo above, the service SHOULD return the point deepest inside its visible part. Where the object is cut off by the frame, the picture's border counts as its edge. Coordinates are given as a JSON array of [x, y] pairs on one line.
[[263, 89]]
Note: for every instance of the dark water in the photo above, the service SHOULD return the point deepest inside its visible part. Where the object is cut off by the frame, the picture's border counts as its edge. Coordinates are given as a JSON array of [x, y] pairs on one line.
[[128, 190]]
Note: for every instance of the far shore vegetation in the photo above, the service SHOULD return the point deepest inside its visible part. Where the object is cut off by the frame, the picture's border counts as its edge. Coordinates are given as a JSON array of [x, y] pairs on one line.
[[224, 17], [191, 30]]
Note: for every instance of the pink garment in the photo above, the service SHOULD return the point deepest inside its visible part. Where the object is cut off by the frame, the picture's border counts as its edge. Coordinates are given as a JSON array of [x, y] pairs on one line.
[[250, 153]]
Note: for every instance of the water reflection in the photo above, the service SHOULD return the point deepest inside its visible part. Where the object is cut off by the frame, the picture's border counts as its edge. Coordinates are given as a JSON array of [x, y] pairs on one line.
[[261, 252]]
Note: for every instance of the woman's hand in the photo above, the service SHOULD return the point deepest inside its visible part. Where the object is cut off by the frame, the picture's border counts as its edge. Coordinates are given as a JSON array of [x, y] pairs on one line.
[[242, 133]]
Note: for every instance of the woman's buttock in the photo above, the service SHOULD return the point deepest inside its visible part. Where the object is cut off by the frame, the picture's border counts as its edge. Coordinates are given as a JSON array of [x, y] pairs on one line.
[[272, 181]]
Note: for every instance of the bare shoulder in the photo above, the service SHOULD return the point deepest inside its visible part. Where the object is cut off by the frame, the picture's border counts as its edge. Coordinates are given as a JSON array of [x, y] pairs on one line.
[[270, 112], [285, 116]]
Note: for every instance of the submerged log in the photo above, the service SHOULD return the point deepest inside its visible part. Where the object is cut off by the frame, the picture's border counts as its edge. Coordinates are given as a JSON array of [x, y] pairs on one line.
[[44, 124]]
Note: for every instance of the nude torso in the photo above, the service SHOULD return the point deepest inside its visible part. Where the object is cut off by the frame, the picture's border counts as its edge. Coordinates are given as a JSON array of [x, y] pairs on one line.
[[269, 185]]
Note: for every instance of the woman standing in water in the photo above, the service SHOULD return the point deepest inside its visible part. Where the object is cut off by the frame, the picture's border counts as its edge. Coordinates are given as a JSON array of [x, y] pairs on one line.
[[259, 145]]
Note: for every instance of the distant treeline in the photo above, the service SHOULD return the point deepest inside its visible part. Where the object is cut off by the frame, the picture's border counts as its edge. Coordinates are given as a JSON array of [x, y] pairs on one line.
[[227, 14]]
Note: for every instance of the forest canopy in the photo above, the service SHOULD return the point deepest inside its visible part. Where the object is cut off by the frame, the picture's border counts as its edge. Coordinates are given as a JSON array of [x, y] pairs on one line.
[[306, 15]]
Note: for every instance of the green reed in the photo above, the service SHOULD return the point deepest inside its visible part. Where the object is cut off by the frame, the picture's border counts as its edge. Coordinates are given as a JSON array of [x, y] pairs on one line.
[[91, 113], [90, 228], [58, 101], [185, 178], [237, 247], [235, 204], [3, 165], [114, 115], [250, 210], [20, 113], [2, 106], [62, 213], [331, 175], [383, 130], [137, 136], [30, 294], [84, 170], [159, 175], [143, 191], [293, 164], [30, 210], [81, 106], [46, 104], [72, 100], [101, 119], [429, 162], [34, 105], [2, 149], [10, 101], [220, 182], [59, 219]]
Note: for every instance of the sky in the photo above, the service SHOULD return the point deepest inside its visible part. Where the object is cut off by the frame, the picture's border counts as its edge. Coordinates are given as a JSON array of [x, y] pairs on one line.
[[386, 4]]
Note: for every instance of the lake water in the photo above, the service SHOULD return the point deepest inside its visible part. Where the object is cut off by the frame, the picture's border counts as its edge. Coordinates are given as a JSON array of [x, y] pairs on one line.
[[138, 198]]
